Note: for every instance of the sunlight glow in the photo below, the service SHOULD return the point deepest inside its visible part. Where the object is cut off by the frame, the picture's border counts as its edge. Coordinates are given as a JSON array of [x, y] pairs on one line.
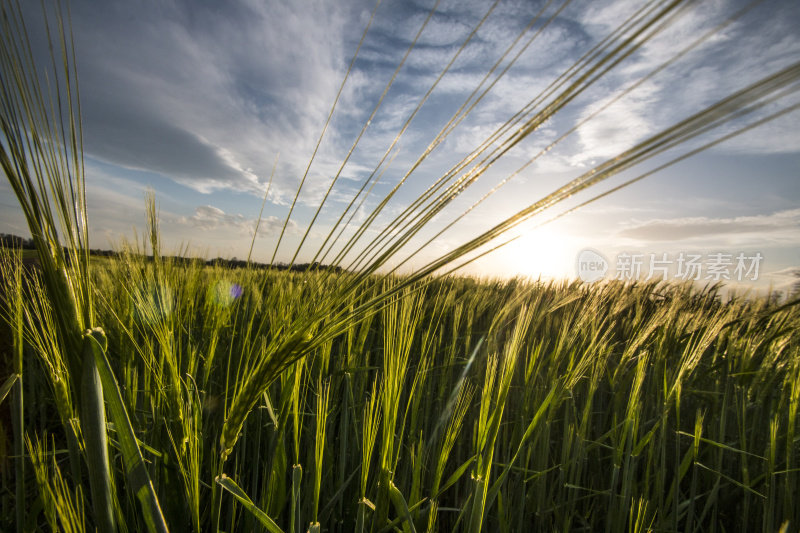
[[546, 251]]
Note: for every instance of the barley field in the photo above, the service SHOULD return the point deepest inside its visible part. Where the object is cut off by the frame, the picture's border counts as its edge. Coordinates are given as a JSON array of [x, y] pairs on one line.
[[460, 404], [149, 391]]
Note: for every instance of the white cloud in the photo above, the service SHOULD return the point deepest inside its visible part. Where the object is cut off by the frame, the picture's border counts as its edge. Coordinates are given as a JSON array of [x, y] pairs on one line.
[[614, 130], [208, 97], [780, 136], [738, 55], [208, 217], [780, 228]]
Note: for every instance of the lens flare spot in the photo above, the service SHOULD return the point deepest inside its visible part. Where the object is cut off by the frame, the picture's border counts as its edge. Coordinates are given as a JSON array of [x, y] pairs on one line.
[[224, 293]]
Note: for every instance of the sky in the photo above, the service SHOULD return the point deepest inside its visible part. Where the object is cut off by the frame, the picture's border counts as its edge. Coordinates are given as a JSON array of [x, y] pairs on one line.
[[198, 101]]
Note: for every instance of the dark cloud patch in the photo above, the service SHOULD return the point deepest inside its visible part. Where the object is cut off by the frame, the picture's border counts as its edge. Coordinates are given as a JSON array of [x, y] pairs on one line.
[[137, 139], [205, 93]]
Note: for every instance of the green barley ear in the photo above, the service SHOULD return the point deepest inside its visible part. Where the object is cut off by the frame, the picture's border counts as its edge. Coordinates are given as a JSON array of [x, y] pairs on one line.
[[42, 157], [272, 362], [11, 269], [63, 505]]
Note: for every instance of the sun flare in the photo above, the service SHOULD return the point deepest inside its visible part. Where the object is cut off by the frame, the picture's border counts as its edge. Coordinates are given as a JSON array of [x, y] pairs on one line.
[[546, 251]]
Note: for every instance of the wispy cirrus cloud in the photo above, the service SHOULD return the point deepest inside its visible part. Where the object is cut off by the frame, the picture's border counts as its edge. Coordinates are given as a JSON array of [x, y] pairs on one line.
[[210, 218], [738, 54], [782, 227]]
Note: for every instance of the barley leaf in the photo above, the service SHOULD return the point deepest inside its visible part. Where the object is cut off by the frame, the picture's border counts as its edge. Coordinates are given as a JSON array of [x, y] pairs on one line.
[[230, 485], [135, 469], [6, 388]]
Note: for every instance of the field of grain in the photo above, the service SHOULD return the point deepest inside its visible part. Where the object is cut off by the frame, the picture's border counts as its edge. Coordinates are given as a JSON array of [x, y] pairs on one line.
[[144, 392], [460, 404]]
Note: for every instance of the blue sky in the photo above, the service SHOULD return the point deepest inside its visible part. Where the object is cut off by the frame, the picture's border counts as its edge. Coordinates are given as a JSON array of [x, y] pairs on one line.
[[195, 100]]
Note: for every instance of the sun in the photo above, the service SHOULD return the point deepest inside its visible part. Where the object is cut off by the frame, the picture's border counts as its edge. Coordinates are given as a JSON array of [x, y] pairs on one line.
[[544, 252]]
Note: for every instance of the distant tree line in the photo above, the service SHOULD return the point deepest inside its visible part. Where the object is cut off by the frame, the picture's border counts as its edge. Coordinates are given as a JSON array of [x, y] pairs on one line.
[[17, 242], [14, 241]]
